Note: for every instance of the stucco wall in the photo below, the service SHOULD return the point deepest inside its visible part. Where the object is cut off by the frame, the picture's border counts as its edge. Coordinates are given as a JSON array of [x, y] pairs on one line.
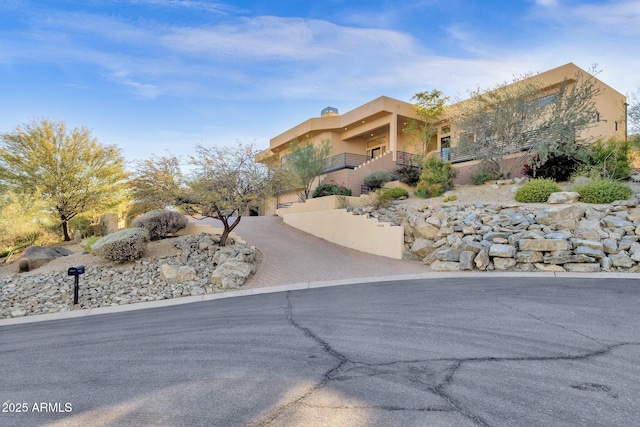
[[323, 204], [466, 170], [352, 231]]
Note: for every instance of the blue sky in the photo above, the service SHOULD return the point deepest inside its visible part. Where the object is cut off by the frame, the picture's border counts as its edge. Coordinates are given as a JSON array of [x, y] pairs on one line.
[[161, 76]]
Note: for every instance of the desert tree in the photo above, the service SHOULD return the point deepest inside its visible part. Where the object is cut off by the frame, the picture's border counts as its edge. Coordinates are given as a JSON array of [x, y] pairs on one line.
[[430, 108], [633, 116], [224, 184], [524, 116], [155, 183], [67, 168], [23, 219], [304, 163], [494, 123], [572, 111]]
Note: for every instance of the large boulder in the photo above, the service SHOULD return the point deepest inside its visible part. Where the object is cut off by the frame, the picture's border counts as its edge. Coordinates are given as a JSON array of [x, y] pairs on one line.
[[161, 223], [502, 251], [231, 274], [425, 230], [121, 246], [422, 247], [563, 197], [560, 214], [177, 273], [37, 256]]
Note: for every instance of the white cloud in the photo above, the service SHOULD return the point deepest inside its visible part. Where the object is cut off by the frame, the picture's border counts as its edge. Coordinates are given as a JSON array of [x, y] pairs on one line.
[[219, 8], [622, 16], [268, 37], [547, 3]]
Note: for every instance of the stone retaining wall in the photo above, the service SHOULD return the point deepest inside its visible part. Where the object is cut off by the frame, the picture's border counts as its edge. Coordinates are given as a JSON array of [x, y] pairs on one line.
[[481, 237]]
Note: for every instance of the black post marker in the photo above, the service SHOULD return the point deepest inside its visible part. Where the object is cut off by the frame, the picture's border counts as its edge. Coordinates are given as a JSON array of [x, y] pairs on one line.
[[76, 272]]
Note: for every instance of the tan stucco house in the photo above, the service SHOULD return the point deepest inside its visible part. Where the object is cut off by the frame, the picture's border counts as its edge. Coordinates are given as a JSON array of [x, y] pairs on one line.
[[372, 137]]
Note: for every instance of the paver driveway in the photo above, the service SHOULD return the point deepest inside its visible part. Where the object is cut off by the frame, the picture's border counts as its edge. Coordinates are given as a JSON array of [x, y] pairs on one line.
[[292, 256]]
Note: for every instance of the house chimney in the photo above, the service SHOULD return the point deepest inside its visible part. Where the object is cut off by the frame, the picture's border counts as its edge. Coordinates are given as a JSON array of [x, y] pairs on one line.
[[329, 111]]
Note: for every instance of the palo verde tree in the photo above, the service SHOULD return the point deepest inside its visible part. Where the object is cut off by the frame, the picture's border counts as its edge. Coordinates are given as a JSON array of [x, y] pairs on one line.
[[304, 164], [226, 182], [68, 169], [524, 115], [155, 183], [430, 107]]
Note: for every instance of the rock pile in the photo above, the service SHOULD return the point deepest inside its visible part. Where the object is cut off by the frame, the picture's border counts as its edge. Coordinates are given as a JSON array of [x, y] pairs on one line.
[[202, 267], [480, 237]]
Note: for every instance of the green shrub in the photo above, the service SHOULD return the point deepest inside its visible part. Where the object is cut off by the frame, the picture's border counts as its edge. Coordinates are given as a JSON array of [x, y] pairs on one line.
[[330, 190], [88, 243], [610, 159], [603, 191], [393, 193], [482, 177], [407, 174], [123, 245], [377, 179], [537, 191], [557, 168], [161, 223], [437, 177]]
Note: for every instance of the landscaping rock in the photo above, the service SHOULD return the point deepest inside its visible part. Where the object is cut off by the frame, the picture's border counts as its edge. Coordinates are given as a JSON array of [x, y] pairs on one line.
[[443, 266], [503, 264], [115, 284], [38, 256], [422, 247], [177, 274], [559, 214], [543, 245], [466, 260], [502, 251], [231, 274], [482, 260], [562, 197]]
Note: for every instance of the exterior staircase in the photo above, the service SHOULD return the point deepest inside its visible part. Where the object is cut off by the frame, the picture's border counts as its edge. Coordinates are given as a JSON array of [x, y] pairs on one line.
[[354, 178]]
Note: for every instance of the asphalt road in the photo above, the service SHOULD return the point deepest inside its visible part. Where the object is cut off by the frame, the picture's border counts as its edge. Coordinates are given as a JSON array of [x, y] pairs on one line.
[[455, 352]]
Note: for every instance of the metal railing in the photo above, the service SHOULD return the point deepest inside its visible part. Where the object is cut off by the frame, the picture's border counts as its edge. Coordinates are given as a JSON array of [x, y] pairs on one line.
[[409, 159], [344, 161]]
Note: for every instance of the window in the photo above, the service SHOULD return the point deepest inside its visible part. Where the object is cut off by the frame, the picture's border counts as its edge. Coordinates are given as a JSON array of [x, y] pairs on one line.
[[445, 129], [445, 147], [615, 126], [546, 100], [597, 117]]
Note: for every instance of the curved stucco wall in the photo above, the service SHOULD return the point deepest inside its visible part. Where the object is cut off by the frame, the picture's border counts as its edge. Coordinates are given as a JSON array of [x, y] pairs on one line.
[[352, 231]]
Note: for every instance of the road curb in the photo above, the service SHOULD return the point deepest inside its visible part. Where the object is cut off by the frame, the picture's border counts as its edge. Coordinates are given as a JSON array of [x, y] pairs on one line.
[[301, 286]]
